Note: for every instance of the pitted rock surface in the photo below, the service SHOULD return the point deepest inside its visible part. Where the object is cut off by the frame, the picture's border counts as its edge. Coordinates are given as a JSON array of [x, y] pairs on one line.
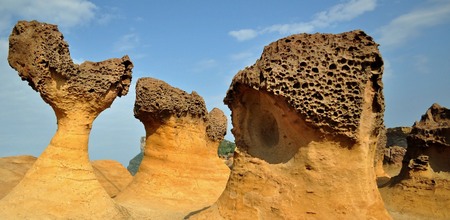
[[41, 56], [433, 129], [216, 128], [322, 76], [156, 100], [307, 119]]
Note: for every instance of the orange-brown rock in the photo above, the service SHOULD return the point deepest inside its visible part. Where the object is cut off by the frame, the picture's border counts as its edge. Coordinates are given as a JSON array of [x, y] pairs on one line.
[[306, 118], [180, 171], [62, 183], [12, 170], [112, 175], [379, 154], [422, 189]]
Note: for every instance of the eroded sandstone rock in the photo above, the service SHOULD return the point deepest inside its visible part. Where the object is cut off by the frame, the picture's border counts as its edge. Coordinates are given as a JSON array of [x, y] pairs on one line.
[[12, 170], [111, 174], [180, 171], [422, 188], [428, 153], [306, 118], [62, 183], [390, 155]]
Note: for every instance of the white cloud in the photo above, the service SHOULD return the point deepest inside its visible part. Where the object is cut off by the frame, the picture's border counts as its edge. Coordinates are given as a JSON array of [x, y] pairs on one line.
[[66, 13], [244, 34], [127, 42], [402, 28], [338, 13]]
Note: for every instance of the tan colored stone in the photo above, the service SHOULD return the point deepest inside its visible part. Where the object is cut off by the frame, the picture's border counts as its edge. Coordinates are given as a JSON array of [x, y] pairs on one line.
[[62, 183], [112, 175], [306, 118], [422, 189], [12, 170], [180, 171]]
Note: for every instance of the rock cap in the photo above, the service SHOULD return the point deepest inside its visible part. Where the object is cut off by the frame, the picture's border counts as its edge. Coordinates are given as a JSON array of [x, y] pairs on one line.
[[156, 101], [322, 76]]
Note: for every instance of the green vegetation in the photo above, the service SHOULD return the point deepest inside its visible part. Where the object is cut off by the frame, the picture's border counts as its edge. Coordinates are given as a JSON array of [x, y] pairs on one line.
[[226, 147]]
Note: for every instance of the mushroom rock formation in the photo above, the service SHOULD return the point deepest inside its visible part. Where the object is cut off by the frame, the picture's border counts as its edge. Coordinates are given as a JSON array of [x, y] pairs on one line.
[[181, 171], [423, 186], [62, 183], [306, 118]]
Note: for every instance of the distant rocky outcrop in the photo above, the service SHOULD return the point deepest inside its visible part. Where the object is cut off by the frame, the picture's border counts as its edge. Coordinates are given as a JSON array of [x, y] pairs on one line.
[[306, 118], [180, 171], [394, 150], [428, 153], [397, 136], [423, 186], [62, 184]]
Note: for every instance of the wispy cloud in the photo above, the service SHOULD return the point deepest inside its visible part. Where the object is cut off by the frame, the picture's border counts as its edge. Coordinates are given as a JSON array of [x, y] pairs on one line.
[[205, 64], [244, 34], [127, 42], [409, 25], [421, 64], [66, 13], [338, 13]]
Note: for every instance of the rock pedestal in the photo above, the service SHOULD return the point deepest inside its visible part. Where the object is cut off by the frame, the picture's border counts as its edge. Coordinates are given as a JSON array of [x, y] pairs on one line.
[[306, 118], [62, 183], [181, 171]]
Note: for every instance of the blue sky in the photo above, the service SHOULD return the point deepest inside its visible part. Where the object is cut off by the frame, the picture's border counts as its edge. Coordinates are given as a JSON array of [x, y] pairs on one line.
[[201, 44]]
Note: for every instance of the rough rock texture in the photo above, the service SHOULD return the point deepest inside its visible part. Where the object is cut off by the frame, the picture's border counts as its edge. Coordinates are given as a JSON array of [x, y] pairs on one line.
[[62, 183], [397, 136], [12, 170], [394, 155], [429, 145], [111, 174], [180, 171], [394, 150], [306, 118], [422, 189], [216, 128], [379, 153]]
